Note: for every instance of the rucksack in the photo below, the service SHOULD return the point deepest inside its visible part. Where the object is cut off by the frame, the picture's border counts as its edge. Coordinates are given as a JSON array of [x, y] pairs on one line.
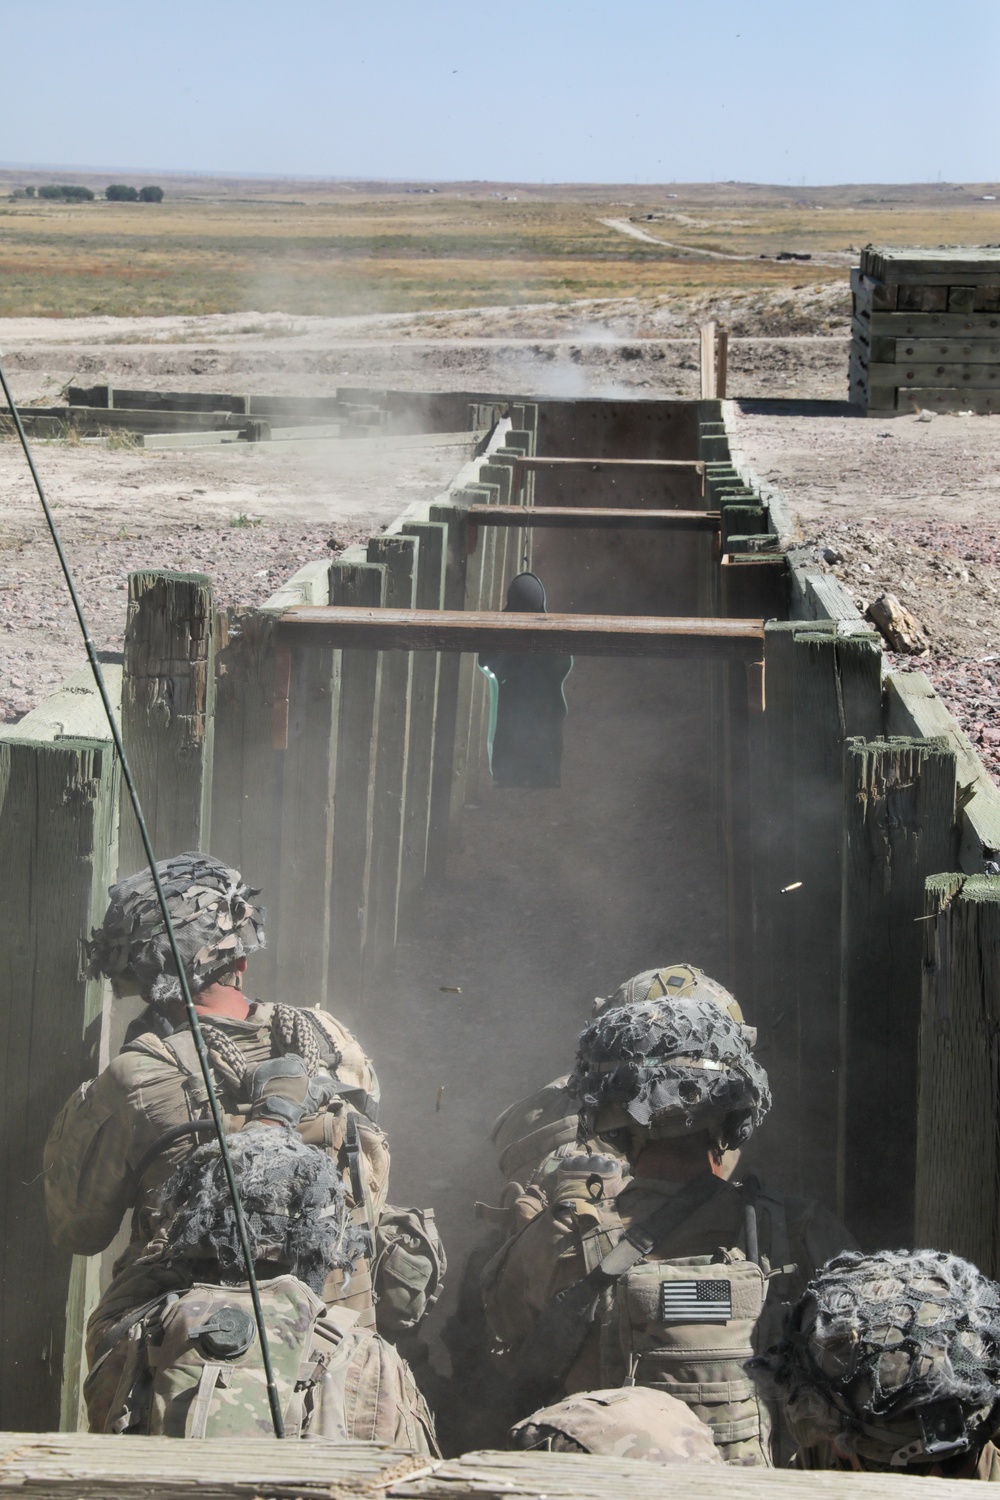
[[195, 1371], [408, 1269]]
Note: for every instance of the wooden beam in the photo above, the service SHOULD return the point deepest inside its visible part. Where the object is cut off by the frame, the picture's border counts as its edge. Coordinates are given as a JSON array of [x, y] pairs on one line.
[[587, 635], [168, 707], [532, 463], [580, 517]]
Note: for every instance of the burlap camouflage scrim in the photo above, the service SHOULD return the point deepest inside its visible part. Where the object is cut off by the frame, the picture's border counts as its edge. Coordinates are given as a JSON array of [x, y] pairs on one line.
[[681, 1061], [293, 1203], [214, 918], [632, 1423], [894, 1356]]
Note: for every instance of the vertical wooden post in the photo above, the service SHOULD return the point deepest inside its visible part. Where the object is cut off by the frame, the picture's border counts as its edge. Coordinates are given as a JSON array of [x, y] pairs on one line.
[[57, 857], [355, 581], [722, 364], [707, 350], [246, 771], [432, 537], [168, 703], [899, 825], [302, 931], [821, 688], [400, 557], [958, 1127], [471, 684], [449, 679]]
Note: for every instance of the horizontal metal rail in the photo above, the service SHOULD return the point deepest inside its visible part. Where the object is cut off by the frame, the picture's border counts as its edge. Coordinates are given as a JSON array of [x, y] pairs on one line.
[[462, 630], [579, 517]]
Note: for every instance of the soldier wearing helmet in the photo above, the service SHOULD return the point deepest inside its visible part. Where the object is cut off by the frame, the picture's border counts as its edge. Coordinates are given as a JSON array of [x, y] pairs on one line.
[[120, 1136], [891, 1363], [678, 1278], [632, 1423]]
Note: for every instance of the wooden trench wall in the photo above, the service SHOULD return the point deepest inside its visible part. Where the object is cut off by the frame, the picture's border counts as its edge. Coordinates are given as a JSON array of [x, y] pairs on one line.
[[857, 833]]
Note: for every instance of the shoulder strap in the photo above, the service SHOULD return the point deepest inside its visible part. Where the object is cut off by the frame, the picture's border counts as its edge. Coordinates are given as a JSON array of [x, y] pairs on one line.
[[547, 1354], [359, 1181]]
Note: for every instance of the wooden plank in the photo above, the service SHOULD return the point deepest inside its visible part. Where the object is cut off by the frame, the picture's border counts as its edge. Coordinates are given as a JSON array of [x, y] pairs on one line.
[[184, 401], [400, 557], [168, 705], [426, 669], [952, 352], [899, 819], [904, 325], [574, 1476], [722, 364], [958, 1139], [451, 666], [309, 770], [962, 398], [536, 465], [61, 1466], [912, 707], [458, 630], [246, 769], [755, 583], [57, 858], [978, 377], [581, 517], [706, 349], [356, 582]]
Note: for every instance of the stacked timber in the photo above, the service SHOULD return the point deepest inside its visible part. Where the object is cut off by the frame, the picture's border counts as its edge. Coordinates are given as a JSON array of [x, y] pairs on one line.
[[925, 333]]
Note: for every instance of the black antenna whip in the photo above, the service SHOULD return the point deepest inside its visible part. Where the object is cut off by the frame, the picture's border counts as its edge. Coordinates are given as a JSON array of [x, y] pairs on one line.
[[277, 1420]]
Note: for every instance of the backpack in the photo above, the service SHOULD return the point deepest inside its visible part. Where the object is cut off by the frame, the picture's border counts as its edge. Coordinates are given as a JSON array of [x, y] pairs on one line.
[[194, 1370], [408, 1269]]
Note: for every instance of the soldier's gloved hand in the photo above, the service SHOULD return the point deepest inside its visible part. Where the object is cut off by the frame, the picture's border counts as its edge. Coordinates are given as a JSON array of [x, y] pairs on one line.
[[322, 1090], [278, 1090]]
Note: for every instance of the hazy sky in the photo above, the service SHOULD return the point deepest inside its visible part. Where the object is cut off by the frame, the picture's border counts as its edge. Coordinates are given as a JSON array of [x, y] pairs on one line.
[[526, 90]]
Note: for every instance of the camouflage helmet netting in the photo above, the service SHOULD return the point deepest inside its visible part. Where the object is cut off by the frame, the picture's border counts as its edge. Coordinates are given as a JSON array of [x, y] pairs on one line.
[[874, 1338], [214, 918], [660, 1060], [293, 1203]]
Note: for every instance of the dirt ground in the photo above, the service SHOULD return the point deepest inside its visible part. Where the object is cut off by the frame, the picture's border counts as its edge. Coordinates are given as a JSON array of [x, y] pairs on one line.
[[905, 505]]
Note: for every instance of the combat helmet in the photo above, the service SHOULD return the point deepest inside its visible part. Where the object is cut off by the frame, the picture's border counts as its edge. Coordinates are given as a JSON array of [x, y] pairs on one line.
[[634, 1422], [293, 1201], [670, 1067], [894, 1357], [214, 918], [678, 981]]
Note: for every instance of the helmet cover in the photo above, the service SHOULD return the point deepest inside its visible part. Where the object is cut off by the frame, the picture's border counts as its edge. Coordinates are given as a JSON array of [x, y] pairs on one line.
[[635, 1422], [683, 1065], [894, 1356], [678, 981], [293, 1203], [214, 918]]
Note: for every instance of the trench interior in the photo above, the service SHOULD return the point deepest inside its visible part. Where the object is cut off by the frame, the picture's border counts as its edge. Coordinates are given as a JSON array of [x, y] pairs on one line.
[[556, 896]]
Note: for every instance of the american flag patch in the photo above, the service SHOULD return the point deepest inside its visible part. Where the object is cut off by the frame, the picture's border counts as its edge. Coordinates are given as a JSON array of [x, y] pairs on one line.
[[696, 1301]]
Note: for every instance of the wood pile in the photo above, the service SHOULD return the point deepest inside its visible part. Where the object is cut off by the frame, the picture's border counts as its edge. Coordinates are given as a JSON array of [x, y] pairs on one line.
[[925, 333]]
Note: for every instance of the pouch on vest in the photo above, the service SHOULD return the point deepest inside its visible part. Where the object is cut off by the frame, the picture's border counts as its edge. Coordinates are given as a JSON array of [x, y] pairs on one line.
[[202, 1375], [409, 1269], [686, 1327]]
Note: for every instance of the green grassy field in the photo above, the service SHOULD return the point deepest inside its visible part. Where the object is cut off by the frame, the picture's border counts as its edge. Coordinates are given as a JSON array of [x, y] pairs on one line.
[[307, 248]]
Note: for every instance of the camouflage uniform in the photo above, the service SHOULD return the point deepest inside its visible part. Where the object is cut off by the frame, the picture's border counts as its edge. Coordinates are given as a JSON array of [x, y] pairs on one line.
[[661, 1068], [891, 1362], [632, 1423], [120, 1136], [190, 1364]]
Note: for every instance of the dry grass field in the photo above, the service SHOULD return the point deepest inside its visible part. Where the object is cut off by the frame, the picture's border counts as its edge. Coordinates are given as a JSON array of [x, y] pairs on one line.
[[217, 246]]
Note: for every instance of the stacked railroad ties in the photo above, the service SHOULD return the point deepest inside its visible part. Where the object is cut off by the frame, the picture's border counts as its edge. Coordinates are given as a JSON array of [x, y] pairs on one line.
[[926, 330]]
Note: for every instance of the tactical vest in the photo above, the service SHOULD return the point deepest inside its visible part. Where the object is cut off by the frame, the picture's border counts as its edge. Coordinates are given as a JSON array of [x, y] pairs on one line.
[[195, 1371], [684, 1324]]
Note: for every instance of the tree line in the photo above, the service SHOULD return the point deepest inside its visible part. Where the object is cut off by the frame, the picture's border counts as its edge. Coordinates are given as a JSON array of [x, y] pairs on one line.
[[118, 192]]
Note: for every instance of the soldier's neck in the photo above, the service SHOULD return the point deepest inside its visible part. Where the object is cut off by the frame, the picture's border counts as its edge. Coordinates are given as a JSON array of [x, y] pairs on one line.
[[222, 1000]]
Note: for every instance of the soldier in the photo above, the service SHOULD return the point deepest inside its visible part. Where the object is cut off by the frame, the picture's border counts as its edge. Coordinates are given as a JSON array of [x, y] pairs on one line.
[[188, 1362], [891, 1362], [677, 1280], [120, 1136], [631, 1423]]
